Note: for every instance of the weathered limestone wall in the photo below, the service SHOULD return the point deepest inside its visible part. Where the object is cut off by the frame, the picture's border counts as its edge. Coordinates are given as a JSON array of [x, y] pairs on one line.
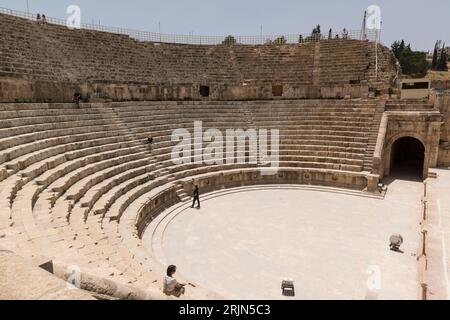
[[42, 63], [442, 101], [444, 156], [422, 125], [378, 163], [247, 177], [440, 84]]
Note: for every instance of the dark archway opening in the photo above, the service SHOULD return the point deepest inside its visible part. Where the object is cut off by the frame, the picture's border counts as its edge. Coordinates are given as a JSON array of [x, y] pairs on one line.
[[408, 158], [204, 91], [277, 91]]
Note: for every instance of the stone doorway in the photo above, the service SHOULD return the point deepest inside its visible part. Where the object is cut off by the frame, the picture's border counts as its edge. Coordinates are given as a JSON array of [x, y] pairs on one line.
[[408, 158]]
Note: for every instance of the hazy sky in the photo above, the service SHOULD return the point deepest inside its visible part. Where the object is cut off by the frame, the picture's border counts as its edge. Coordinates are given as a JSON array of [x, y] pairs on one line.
[[419, 22]]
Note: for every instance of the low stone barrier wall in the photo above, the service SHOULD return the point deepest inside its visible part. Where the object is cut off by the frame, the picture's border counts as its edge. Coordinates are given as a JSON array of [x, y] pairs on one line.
[[104, 287], [247, 177]]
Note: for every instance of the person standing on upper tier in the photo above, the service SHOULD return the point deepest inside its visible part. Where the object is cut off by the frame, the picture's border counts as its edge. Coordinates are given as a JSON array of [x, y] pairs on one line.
[[345, 34]]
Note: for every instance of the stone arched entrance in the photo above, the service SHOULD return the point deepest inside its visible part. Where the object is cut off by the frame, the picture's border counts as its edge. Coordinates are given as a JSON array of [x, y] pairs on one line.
[[407, 158]]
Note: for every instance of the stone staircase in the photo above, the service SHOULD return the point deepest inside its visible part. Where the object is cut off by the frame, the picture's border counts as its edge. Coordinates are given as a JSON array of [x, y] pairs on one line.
[[409, 105], [181, 193]]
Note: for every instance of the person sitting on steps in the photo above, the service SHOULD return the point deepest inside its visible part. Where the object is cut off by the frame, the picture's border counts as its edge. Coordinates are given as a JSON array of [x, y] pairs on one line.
[[150, 142], [76, 98], [171, 286], [196, 197]]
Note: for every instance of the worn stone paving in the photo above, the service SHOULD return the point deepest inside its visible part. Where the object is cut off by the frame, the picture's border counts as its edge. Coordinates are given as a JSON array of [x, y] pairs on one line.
[[243, 245]]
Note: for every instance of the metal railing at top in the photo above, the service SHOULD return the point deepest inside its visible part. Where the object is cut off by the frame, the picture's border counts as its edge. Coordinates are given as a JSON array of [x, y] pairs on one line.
[[369, 35]]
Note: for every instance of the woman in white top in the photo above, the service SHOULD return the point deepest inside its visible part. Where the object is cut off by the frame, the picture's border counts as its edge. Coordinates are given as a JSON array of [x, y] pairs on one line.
[[171, 285]]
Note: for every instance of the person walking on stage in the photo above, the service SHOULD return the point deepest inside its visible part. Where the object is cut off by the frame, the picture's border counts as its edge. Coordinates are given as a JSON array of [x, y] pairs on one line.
[[196, 197]]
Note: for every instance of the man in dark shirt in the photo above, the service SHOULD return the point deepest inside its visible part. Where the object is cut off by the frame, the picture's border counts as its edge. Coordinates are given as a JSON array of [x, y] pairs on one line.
[[196, 197], [76, 98], [150, 143]]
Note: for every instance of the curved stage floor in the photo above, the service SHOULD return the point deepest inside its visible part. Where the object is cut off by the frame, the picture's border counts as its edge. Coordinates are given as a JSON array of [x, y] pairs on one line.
[[331, 242]]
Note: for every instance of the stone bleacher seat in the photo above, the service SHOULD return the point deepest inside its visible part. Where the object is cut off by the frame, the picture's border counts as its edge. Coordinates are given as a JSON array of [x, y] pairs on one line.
[[54, 62], [67, 184], [78, 183]]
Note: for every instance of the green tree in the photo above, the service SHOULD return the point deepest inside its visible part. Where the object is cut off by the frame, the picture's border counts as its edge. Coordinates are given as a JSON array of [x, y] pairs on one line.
[[413, 63], [442, 64], [229, 40], [434, 63], [398, 47], [280, 40]]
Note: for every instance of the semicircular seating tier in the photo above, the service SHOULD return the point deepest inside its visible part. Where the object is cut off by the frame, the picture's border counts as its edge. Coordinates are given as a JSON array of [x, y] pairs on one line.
[[79, 184], [74, 181], [43, 63]]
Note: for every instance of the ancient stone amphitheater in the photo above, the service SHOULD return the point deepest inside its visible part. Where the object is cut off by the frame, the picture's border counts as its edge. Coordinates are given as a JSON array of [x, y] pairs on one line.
[[79, 186]]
